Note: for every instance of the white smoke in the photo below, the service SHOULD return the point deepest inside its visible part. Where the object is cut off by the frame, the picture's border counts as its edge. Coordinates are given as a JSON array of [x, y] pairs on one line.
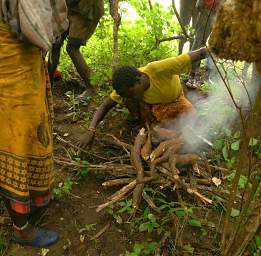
[[217, 111]]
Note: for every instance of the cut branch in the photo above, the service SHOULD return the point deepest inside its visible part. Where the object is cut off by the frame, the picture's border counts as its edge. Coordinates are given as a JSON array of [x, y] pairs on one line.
[[137, 163]]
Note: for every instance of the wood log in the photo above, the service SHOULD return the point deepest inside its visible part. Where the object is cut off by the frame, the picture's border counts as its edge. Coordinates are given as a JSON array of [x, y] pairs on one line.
[[137, 164], [118, 195], [149, 201], [146, 149], [160, 134], [182, 184], [117, 182], [163, 146], [169, 156]]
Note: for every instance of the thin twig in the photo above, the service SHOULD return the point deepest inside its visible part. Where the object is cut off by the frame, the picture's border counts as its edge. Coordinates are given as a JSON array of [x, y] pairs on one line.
[[101, 232]]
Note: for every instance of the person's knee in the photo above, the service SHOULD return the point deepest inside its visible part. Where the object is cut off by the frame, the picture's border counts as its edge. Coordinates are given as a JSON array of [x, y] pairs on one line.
[[74, 44]]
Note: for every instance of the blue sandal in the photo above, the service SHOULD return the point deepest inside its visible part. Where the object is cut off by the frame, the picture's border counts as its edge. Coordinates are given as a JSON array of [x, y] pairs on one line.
[[44, 238]]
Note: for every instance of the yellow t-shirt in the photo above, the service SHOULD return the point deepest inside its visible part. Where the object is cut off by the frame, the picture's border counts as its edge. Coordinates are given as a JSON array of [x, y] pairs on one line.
[[165, 86]]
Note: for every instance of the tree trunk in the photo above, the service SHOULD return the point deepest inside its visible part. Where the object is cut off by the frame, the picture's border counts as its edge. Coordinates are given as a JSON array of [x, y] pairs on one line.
[[114, 11]]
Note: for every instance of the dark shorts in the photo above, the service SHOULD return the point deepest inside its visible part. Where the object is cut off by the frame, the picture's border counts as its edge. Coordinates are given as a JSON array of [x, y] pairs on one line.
[[80, 29]]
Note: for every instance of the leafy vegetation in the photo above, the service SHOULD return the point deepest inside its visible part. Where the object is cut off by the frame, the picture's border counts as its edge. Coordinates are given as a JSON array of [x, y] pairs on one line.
[[64, 189], [143, 249]]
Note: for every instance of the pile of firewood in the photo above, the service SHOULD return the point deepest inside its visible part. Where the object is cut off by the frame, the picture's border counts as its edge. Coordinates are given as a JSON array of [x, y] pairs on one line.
[[156, 158]]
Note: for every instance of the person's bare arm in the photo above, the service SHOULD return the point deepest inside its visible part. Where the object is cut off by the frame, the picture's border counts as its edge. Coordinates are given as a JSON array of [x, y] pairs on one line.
[[101, 112], [199, 54]]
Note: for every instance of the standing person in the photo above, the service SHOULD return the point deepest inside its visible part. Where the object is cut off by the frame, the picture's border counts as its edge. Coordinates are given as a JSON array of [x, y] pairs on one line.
[[153, 92], [187, 12], [83, 16], [26, 144], [206, 14]]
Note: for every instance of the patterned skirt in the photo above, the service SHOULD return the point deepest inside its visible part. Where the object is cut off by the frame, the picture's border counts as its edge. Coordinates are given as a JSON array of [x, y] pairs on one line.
[[26, 145], [154, 113]]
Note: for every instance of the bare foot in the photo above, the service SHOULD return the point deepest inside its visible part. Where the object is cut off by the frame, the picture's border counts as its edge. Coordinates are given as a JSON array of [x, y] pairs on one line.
[[192, 83]]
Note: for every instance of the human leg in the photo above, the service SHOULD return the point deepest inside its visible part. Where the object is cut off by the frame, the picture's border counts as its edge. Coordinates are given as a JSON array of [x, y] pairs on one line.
[[81, 66], [186, 12], [79, 32], [203, 29], [54, 56], [25, 117]]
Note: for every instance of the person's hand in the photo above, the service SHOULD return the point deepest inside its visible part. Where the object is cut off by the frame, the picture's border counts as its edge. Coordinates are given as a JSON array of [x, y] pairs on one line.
[[86, 139]]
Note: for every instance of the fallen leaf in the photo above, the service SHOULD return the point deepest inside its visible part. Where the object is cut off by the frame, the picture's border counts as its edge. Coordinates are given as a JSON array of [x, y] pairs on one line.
[[66, 134], [216, 181], [44, 251], [82, 237]]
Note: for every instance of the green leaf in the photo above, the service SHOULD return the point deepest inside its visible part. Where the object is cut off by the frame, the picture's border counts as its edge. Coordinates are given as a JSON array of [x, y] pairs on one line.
[[151, 217], [150, 248], [242, 182], [189, 211], [132, 254], [235, 145], [252, 142], [188, 248], [225, 152], [118, 219], [85, 171], [195, 223], [230, 176], [138, 248], [144, 227], [258, 241], [180, 213], [234, 213], [218, 144], [237, 135]]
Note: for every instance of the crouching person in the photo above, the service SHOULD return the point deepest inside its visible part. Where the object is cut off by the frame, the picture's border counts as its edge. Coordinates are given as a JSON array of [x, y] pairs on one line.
[[153, 92]]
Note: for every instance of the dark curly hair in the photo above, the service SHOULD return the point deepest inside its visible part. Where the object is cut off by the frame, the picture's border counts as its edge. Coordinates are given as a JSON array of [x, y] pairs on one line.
[[124, 78]]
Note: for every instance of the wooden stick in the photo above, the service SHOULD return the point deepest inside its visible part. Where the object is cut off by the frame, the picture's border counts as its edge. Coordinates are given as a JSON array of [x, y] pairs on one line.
[[181, 183], [127, 147], [117, 182], [101, 232], [149, 201], [187, 158], [218, 168], [68, 143], [137, 163], [163, 146], [118, 195], [112, 168], [137, 195], [159, 160]]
